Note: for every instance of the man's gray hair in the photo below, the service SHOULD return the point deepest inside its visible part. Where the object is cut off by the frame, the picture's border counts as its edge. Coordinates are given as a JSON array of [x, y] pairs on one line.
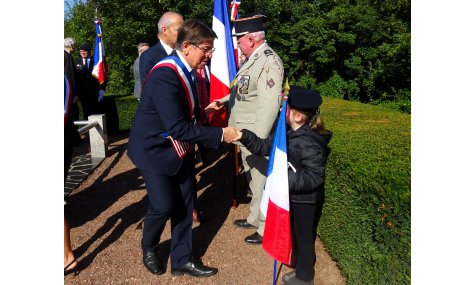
[[140, 45], [69, 42], [166, 20], [259, 36]]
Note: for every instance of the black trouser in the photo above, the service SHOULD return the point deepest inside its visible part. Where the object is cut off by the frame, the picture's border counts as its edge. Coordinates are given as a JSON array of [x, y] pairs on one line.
[[170, 197], [304, 219]]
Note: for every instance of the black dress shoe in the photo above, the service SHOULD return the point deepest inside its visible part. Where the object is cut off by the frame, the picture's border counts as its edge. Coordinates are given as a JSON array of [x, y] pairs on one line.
[[255, 238], [243, 224], [151, 262], [288, 276], [194, 268], [293, 280]]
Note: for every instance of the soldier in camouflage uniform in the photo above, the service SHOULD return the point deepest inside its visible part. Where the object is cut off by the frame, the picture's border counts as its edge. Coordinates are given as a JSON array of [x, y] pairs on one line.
[[254, 104]]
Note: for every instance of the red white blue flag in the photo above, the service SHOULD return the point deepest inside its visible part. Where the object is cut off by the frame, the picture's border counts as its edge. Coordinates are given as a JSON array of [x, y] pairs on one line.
[[233, 6], [277, 239], [100, 66], [223, 67]]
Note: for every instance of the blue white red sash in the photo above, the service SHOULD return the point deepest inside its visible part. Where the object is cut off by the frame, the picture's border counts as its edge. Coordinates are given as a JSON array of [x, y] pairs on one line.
[[173, 62], [184, 75]]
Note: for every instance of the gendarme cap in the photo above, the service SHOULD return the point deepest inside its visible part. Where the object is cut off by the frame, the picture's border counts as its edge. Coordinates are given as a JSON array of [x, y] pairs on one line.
[[248, 25], [304, 99]]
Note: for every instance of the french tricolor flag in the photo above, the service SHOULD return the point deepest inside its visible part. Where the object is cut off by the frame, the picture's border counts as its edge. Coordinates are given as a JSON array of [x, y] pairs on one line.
[[100, 67], [223, 68], [234, 5], [277, 239]]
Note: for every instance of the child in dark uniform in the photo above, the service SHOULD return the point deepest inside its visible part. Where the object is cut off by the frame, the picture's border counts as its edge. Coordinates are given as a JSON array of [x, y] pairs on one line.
[[307, 153]]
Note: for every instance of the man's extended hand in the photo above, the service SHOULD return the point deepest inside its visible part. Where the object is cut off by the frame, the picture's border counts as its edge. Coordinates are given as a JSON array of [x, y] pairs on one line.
[[230, 134], [214, 106]]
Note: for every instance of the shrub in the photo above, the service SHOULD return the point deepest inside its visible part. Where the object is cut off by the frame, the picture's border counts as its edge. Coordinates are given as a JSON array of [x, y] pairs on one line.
[[126, 107], [366, 220]]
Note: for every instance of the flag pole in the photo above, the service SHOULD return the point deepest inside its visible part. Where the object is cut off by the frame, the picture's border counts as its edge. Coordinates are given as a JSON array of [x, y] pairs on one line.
[[236, 174], [274, 276], [285, 93]]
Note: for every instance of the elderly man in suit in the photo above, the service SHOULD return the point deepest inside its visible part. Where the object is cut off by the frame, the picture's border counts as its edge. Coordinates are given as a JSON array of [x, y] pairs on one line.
[[168, 26], [141, 47], [71, 73], [161, 145], [254, 104], [89, 90]]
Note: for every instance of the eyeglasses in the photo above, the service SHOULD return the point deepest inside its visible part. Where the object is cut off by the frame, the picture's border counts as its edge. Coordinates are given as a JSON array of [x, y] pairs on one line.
[[206, 51]]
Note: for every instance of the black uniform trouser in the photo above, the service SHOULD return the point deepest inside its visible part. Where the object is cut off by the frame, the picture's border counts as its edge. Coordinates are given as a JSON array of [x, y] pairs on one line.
[[304, 219], [170, 197]]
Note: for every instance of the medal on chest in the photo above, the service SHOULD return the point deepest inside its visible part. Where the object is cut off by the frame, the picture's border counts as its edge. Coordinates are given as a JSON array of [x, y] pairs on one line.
[[243, 87]]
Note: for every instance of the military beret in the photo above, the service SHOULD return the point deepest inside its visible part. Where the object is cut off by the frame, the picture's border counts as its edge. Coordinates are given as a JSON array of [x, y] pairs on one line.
[[85, 47], [248, 25], [304, 99]]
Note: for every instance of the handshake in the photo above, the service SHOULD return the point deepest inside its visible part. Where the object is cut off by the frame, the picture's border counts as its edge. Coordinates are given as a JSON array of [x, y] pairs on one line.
[[231, 134]]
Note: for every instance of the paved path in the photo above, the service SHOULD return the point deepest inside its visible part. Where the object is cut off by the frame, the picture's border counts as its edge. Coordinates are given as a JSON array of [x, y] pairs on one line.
[[107, 208]]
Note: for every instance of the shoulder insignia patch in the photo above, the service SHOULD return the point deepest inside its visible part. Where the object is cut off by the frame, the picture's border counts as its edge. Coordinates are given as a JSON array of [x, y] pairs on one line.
[[270, 83], [268, 52]]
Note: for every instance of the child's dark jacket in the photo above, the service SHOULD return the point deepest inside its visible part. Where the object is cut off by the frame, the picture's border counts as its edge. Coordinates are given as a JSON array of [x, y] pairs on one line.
[[307, 151]]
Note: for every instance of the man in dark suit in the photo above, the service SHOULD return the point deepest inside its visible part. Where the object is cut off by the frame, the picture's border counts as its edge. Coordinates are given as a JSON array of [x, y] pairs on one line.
[[90, 92], [71, 73], [161, 145], [168, 26]]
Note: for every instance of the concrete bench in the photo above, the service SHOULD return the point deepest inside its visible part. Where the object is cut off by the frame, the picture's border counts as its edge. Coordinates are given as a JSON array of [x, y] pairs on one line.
[[83, 165]]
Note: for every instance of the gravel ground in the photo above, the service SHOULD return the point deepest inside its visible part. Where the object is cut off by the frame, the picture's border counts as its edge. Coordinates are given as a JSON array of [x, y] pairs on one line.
[[106, 213]]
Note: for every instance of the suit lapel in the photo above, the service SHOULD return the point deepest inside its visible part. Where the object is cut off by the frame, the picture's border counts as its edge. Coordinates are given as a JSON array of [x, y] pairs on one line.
[[193, 72]]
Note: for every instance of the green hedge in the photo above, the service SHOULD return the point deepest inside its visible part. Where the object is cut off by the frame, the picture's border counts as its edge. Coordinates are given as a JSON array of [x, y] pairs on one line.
[[365, 224], [126, 107], [366, 220], [119, 111]]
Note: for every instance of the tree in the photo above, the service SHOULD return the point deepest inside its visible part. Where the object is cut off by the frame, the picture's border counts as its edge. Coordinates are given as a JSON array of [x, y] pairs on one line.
[[350, 49]]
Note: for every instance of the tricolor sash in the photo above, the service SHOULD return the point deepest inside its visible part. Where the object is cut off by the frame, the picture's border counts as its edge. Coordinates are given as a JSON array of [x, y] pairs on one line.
[[184, 75], [181, 147]]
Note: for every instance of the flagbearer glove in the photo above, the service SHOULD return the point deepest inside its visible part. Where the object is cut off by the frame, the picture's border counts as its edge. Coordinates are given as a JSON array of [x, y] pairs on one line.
[[255, 144], [101, 95]]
